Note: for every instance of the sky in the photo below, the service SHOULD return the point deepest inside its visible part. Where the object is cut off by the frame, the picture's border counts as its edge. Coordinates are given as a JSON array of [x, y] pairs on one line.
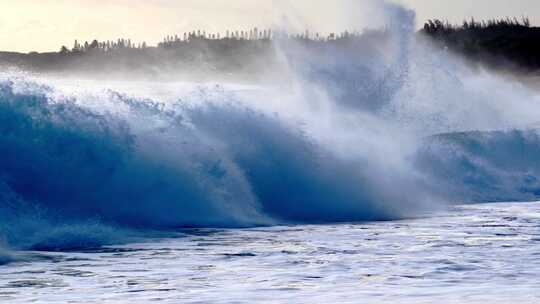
[[45, 25]]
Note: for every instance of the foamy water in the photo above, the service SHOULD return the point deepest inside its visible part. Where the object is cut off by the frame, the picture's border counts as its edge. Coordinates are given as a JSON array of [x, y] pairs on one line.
[[471, 254]]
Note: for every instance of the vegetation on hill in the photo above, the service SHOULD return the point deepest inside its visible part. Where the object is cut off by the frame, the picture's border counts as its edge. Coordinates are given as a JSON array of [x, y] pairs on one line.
[[499, 43], [240, 52]]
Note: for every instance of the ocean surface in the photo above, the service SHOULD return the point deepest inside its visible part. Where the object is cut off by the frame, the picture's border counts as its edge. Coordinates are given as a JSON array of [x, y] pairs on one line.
[[99, 180], [488, 253]]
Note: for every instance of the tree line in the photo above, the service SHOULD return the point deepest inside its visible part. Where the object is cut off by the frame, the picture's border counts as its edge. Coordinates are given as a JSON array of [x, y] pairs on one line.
[[495, 42], [506, 43], [437, 26], [108, 45], [169, 41]]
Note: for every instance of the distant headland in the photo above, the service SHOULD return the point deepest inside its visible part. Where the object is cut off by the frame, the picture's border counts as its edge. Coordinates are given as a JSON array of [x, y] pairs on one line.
[[509, 43], [503, 43], [245, 52]]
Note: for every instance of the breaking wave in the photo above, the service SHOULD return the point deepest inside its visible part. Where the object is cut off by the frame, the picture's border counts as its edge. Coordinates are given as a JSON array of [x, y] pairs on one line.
[[72, 177], [494, 166], [352, 139]]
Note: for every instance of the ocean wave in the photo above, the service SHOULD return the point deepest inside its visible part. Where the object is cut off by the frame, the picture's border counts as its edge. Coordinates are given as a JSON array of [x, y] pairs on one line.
[[493, 166], [73, 177], [344, 141]]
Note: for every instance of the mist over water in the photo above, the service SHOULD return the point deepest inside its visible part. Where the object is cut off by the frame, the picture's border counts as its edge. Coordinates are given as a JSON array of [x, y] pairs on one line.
[[357, 134]]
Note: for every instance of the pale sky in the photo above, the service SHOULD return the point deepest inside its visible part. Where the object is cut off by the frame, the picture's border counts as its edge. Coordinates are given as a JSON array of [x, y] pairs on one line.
[[45, 25]]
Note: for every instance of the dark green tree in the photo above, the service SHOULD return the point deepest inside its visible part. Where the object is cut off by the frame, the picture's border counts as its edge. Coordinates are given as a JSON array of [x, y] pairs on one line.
[[64, 50]]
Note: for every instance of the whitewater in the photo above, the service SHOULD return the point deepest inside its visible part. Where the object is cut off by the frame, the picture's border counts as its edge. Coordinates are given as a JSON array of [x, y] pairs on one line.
[[347, 177]]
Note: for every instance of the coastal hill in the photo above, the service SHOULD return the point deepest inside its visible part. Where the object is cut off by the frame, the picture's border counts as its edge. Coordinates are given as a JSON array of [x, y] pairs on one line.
[[508, 44], [504, 44], [244, 53]]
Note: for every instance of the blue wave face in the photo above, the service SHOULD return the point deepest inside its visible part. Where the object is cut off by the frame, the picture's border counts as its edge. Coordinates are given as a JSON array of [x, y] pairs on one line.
[[5, 256], [485, 166], [74, 178], [75, 163]]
